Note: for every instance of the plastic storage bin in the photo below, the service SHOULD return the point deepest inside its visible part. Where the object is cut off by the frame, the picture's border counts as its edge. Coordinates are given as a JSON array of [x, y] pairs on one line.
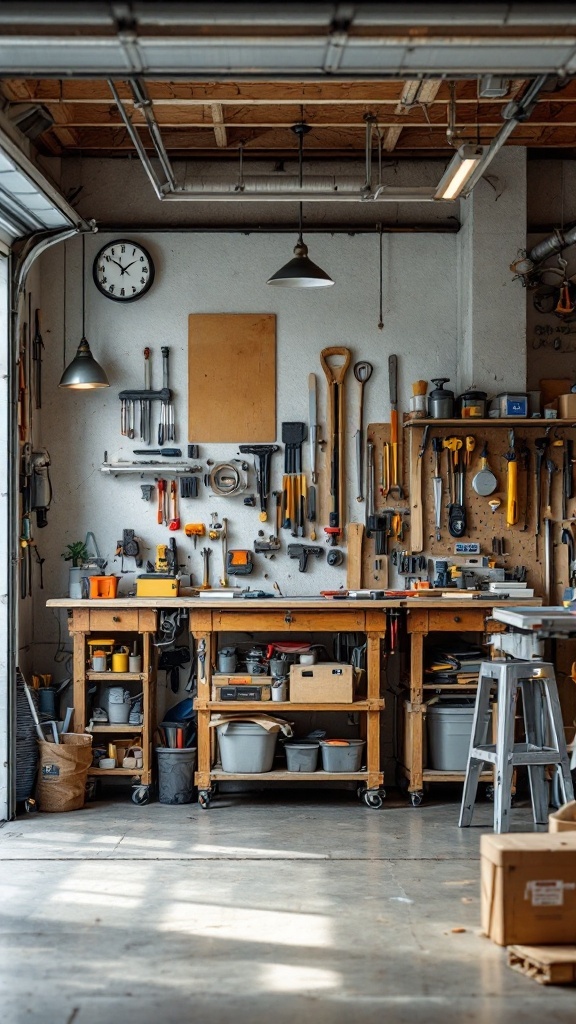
[[449, 732], [342, 755], [302, 757], [245, 747]]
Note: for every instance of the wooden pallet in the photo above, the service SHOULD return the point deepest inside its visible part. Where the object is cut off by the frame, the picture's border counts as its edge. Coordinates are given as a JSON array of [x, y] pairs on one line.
[[548, 965]]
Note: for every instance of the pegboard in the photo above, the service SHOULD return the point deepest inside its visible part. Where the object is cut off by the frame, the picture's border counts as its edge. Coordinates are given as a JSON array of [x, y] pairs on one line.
[[382, 577], [521, 545]]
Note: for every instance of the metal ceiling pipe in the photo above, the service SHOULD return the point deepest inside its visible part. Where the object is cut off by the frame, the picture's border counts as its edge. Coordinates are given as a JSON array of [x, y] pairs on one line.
[[157, 185], [386, 194], [555, 243], [143, 102]]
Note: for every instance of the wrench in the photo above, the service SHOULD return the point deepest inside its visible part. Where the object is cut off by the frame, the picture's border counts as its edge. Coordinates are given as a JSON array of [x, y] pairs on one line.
[[551, 468], [206, 552]]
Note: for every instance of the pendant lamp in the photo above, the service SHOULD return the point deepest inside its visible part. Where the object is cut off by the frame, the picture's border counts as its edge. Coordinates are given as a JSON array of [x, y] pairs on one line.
[[300, 272], [84, 372]]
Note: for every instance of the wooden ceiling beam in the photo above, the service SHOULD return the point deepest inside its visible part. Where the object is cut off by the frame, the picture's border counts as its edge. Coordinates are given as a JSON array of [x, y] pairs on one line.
[[176, 115], [219, 126], [254, 93]]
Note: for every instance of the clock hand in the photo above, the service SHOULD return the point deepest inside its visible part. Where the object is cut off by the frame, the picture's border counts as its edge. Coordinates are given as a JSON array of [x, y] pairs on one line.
[[118, 265], [124, 269]]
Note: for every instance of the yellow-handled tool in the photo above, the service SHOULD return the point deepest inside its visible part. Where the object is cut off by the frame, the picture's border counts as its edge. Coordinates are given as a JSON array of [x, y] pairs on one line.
[[512, 493], [511, 484]]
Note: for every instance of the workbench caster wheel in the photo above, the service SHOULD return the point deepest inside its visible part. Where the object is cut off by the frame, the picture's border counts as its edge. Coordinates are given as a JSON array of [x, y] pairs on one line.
[[204, 799], [416, 798], [374, 798], [91, 790], [30, 806], [141, 795]]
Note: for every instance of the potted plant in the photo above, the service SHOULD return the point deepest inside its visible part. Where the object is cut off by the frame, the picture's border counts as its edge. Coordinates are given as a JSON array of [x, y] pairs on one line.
[[77, 553]]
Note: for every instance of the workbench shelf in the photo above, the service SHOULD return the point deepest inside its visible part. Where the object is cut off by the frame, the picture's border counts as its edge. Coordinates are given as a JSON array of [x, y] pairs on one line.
[[424, 623], [275, 619], [509, 422], [123, 626]]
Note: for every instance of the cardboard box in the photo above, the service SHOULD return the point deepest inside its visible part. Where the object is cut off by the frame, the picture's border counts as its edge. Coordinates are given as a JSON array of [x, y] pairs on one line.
[[567, 406], [564, 819], [323, 683], [528, 888]]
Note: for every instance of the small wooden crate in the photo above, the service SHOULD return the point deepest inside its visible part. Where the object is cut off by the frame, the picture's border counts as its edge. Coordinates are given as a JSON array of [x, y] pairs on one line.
[[548, 965]]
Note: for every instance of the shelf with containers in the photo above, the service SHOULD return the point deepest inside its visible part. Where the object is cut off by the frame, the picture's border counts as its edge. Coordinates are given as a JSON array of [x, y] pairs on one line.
[[281, 618], [125, 626]]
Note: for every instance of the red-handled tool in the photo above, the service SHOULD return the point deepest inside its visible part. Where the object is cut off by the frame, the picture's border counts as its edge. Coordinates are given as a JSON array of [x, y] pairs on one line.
[[161, 500], [174, 518]]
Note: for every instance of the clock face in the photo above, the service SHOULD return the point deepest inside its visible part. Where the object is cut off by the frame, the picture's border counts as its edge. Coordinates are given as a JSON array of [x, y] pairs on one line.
[[123, 270]]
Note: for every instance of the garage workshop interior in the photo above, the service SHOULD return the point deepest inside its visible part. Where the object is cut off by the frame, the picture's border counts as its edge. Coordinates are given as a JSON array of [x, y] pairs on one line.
[[288, 617]]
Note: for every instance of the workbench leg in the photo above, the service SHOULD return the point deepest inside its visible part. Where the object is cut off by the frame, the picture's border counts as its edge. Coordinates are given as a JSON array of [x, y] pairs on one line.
[[79, 681]]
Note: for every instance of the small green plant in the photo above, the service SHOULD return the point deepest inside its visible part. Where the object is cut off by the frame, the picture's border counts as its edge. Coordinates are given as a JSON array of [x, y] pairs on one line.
[[77, 553]]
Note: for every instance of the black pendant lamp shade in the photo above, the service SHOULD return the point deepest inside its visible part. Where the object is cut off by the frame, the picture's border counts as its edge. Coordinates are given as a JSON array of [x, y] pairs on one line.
[[84, 373], [300, 272]]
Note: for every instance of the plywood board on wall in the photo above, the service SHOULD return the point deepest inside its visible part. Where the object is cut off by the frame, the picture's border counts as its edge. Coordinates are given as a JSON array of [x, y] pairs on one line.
[[232, 377]]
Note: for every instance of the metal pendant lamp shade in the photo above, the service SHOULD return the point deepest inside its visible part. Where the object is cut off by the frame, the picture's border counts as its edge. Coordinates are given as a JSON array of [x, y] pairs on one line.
[[300, 272], [83, 373]]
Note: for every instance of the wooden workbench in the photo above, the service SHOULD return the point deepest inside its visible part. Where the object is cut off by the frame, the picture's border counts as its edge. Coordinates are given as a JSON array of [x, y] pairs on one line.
[[283, 617]]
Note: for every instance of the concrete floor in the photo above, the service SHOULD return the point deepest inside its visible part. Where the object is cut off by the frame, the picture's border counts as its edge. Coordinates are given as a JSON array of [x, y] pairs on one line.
[[291, 907]]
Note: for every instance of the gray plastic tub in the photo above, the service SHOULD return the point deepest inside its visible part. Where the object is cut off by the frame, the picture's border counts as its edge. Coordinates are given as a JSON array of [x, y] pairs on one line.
[[246, 747], [449, 732], [342, 758], [176, 774], [302, 757]]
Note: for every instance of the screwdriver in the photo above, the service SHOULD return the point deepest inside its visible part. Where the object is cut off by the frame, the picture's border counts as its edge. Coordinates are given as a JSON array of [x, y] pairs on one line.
[[169, 453]]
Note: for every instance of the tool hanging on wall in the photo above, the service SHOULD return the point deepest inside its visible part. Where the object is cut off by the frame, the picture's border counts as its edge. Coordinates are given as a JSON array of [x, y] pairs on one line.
[[335, 374], [37, 346], [205, 585], [395, 485], [417, 521], [263, 456], [302, 552], [174, 523], [484, 482], [541, 444], [228, 479], [145, 404], [437, 485], [312, 424], [161, 489], [551, 469], [294, 481], [511, 482], [188, 487], [128, 547], [362, 372], [195, 530], [166, 427]]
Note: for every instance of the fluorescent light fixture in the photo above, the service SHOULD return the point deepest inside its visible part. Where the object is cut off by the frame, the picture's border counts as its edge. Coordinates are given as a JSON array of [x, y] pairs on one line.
[[459, 171]]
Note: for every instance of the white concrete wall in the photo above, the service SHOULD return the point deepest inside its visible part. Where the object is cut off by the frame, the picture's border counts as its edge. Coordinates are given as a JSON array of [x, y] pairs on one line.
[[492, 350], [219, 273]]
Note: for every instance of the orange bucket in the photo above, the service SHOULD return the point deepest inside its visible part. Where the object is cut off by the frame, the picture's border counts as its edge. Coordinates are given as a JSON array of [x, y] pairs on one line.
[[103, 586]]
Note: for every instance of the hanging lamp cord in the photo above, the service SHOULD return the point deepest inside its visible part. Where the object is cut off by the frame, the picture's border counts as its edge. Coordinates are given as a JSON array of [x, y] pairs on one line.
[[83, 286], [381, 320], [64, 310]]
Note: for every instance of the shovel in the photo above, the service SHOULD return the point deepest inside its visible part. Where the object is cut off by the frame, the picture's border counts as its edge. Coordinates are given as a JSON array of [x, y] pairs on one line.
[[362, 372]]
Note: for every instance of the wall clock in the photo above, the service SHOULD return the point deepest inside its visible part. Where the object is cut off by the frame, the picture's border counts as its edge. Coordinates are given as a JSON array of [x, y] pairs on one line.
[[123, 270]]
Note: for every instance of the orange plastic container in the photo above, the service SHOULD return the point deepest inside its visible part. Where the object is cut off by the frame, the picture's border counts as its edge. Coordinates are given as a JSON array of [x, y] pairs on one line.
[[103, 586]]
